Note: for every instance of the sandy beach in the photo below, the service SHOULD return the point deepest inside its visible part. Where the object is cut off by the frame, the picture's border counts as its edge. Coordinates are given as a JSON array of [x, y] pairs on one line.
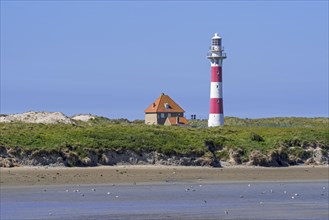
[[164, 192], [29, 176]]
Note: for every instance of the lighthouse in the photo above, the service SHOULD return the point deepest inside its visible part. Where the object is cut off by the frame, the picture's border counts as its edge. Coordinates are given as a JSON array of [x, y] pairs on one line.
[[216, 57]]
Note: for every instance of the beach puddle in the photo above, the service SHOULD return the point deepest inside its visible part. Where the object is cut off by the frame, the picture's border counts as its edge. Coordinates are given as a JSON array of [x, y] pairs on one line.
[[286, 200]]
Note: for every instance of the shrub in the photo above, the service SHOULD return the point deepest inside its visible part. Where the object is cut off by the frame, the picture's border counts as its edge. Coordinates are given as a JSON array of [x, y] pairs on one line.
[[256, 137]]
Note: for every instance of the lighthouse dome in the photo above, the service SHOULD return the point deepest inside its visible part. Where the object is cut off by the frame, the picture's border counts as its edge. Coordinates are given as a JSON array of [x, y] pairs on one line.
[[216, 36]]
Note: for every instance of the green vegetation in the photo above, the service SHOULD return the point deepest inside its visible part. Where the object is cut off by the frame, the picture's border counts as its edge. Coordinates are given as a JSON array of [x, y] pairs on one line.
[[101, 133], [272, 122]]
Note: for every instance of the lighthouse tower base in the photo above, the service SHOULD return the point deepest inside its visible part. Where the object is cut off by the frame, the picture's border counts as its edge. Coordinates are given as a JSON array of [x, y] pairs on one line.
[[216, 120]]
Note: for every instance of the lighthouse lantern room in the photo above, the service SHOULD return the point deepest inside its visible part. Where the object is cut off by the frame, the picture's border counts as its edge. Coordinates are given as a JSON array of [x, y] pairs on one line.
[[216, 56]]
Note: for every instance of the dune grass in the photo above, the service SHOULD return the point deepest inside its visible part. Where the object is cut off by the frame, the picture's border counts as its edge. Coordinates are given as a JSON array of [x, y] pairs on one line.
[[101, 133]]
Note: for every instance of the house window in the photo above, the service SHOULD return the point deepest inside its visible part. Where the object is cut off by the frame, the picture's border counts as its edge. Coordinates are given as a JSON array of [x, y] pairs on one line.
[[169, 115], [162, 115]]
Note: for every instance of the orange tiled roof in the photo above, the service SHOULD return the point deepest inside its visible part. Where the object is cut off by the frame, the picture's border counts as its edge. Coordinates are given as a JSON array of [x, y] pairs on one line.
[[173, 120], [183, 120], [164, 104]]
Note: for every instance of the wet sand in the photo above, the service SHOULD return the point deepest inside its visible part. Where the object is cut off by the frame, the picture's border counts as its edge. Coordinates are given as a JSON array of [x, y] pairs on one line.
[[29, 176]]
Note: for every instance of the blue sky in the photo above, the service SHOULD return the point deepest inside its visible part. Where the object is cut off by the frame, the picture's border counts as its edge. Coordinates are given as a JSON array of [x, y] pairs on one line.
[[114, 58]]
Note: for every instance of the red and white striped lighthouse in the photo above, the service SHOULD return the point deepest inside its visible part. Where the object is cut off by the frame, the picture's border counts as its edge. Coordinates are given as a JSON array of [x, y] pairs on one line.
[[216, 56]]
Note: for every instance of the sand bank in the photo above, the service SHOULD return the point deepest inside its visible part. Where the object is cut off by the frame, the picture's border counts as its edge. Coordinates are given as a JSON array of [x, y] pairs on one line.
[[28, 176]]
